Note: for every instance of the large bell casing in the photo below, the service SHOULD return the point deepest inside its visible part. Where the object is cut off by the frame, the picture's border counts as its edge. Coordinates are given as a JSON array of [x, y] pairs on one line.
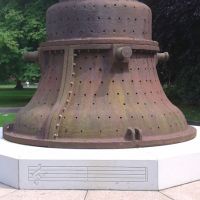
[[99, 86]]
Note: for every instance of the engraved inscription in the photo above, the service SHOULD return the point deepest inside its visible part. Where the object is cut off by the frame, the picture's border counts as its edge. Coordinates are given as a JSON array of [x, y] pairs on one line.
[[39, 173]]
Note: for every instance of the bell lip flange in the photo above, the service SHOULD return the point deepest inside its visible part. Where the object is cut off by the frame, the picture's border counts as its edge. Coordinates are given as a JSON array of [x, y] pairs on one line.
[[116, 143], [137, 43]]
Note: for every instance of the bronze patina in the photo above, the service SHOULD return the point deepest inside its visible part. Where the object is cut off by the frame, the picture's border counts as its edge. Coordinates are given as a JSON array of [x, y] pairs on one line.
[[99, 86]]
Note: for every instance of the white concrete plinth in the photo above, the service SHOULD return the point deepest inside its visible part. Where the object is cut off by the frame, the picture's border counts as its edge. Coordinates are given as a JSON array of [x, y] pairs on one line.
[[153, 168]]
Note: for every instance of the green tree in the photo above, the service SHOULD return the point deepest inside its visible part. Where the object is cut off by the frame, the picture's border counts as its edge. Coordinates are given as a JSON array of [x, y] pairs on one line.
[[176, 27], [22, 28]]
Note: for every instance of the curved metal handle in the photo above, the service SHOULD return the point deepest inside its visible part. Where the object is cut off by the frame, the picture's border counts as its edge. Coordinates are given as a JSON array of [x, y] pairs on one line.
[[31, 56]]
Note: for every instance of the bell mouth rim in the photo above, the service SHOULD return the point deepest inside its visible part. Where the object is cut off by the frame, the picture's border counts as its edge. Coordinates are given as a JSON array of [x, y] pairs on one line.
[[96, 143]]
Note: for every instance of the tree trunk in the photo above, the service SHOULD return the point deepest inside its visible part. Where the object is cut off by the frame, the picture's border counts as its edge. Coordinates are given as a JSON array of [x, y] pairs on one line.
[[19, 85]]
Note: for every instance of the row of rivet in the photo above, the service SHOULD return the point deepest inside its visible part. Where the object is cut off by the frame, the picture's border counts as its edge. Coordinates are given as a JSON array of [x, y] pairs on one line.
[[60, 117]]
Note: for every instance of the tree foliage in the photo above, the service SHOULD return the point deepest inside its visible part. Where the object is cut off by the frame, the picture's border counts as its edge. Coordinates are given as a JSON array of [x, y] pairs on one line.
[[176, 27], [22, 28]]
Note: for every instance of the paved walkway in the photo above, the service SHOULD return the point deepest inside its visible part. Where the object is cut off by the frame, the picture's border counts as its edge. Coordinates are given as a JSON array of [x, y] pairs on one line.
[[9, 110], [184, 192]]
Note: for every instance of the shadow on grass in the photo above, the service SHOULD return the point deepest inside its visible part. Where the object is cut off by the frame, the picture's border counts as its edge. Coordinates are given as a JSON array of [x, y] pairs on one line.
[[15, 98]]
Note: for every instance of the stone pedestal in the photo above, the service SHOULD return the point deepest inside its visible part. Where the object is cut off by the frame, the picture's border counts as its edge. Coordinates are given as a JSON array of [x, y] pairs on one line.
[[155, 168]]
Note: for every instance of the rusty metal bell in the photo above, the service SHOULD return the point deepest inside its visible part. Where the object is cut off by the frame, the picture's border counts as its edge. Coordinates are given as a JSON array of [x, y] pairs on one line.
[[99, 86]]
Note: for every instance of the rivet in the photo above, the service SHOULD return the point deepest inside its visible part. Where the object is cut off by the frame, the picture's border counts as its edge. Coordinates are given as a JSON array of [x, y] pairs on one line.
[[72, 83], [60, 116]]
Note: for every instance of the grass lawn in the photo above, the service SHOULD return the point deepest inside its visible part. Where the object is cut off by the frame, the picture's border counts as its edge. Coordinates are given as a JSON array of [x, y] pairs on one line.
[[6, 118], [10, 97]]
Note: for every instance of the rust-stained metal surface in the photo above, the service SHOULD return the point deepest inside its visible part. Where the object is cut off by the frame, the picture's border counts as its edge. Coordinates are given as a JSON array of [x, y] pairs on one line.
[[99, 85]]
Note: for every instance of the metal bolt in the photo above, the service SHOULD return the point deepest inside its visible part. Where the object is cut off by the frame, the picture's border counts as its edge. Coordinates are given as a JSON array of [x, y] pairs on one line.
[[72, 83], [60, 116], [123, 53], [163, 57]]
